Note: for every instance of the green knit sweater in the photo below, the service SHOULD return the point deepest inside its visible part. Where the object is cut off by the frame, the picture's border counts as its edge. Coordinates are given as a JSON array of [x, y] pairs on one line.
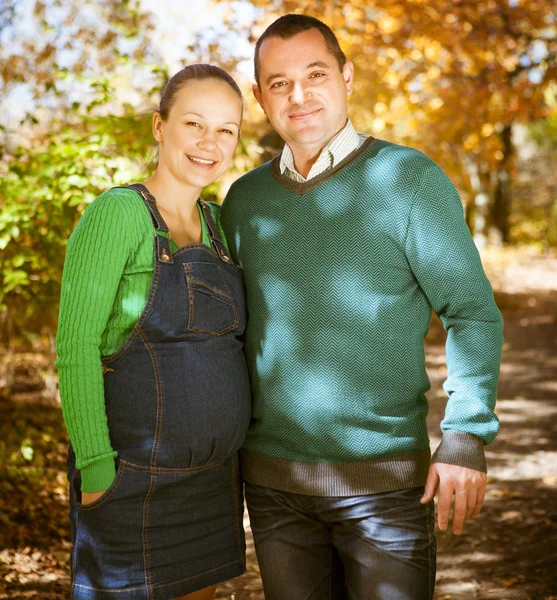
[[342, 273], [107, 276]]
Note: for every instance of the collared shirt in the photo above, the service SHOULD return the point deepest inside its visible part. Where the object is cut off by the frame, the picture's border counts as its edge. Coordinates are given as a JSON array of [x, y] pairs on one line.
[[344, 142]]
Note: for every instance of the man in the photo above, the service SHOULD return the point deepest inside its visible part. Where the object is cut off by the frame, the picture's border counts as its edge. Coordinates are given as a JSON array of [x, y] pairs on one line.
[[347, 244]]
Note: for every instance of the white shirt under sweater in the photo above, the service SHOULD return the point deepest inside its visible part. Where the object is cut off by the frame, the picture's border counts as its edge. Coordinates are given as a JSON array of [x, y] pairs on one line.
[[344, 142]]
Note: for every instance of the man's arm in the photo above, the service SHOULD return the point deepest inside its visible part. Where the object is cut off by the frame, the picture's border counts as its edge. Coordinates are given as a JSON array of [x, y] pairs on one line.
[[447, 266]]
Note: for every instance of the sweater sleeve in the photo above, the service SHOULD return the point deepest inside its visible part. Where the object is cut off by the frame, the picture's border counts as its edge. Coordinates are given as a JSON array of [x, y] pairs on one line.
[[447, 266], [97, 253]]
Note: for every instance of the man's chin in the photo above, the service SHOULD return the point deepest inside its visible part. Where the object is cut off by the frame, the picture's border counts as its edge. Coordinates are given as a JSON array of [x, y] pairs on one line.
[[305, 136]]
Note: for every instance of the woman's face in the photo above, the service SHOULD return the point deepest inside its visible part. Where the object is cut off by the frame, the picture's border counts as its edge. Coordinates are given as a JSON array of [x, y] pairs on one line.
[[197, 141]]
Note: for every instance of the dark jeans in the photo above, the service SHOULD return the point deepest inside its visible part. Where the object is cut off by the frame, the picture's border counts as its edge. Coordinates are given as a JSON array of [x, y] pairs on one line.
[[374, 547]]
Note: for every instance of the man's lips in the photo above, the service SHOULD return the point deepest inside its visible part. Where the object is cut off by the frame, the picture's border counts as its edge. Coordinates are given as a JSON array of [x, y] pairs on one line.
[[307, 114]]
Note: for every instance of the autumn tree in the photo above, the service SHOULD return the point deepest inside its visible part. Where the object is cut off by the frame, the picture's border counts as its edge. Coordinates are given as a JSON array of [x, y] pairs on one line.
[[451, 78]]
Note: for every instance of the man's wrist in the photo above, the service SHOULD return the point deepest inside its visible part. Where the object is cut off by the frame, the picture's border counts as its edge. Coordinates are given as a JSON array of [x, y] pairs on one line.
[[462, 449]]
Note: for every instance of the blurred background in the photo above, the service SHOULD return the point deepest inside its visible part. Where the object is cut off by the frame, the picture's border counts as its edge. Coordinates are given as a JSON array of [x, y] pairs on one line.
[[473, 84]]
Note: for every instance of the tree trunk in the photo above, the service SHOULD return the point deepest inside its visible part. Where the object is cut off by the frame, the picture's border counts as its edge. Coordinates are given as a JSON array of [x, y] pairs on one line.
[[503, 194], [478, 206]]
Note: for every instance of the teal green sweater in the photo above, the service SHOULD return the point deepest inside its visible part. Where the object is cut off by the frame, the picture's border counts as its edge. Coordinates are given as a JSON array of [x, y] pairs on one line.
[[342, 273], [107, 276]]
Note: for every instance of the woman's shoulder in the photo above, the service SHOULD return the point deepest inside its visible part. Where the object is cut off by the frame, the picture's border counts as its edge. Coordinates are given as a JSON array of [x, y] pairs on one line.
[[120, 204], [117, 211], [118, 200]]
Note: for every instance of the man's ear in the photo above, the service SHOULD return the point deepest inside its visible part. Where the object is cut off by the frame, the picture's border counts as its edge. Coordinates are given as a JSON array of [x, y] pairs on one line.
[[348, 75], [157, 126], [258, 96]]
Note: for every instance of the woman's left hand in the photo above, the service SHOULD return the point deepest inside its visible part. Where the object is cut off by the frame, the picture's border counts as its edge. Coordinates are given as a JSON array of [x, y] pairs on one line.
[[89, 497]]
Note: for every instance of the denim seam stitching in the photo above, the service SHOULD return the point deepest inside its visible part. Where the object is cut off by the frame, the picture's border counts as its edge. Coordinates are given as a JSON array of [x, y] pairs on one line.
[[74, 558], [236, 319], [159, 392], [145, 526], [153, 470], [106, 591], [213, 289], [144, 315], [431, 548], [196, 576], [236, 506]]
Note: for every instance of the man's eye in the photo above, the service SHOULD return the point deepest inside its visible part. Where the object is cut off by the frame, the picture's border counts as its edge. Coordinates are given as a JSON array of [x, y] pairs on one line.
[[317, 75], [278, 84]]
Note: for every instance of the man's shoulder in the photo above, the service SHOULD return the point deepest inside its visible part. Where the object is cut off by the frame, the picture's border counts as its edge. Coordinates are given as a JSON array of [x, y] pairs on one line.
[[403, 157], [254, 177]]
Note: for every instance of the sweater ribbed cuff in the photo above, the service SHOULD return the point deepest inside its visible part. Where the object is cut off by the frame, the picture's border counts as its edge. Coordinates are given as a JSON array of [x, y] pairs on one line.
[[99, 475], [462, 449]]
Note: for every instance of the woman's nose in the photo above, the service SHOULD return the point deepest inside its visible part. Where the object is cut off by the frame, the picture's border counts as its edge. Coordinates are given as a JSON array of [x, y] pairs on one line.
[[208, 140]]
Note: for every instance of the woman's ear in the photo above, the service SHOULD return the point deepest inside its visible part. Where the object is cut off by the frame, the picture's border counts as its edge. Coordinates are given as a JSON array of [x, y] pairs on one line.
[[157, 126]]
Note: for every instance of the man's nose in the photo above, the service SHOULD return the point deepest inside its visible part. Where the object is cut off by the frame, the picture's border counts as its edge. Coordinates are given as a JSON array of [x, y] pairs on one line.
[[299, 94]]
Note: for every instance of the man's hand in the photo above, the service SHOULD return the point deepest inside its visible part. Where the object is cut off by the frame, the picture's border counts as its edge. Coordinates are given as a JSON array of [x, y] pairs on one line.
[[90, 497], [467, 486]]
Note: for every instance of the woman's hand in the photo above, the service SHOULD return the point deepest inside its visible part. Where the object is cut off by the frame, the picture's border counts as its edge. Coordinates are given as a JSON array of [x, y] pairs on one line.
[[89, 497]]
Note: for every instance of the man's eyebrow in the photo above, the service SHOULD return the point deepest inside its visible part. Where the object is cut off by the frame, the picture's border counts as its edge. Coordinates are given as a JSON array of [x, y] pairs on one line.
[[318, 63], [274, 76]]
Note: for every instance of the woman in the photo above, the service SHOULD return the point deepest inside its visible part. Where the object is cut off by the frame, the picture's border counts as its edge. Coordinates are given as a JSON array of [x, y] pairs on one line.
[[154, 387]]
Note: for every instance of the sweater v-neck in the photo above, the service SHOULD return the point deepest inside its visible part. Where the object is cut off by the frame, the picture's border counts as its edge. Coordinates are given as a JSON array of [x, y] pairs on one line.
[[301, 188]]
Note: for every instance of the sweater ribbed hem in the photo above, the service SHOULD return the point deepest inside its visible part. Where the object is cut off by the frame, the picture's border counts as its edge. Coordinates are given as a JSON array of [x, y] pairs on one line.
[[462, 449], [336, 479], [99, 475]]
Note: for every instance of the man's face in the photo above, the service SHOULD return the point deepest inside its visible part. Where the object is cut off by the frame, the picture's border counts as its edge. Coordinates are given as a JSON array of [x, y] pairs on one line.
[[303, 92]]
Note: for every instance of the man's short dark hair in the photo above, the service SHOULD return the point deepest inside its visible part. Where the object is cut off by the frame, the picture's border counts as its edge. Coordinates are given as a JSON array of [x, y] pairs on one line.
[[288, 26]]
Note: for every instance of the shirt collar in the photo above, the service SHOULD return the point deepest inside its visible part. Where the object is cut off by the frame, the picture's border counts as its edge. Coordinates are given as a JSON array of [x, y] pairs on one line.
[[338, 148]]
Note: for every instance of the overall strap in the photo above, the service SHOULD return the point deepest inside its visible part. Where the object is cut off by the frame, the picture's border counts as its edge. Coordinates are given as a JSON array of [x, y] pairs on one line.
[[214, 232], [162, 243], [150, 202]]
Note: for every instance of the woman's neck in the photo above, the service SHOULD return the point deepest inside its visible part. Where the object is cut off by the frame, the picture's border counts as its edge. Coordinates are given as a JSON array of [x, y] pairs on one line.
[[173, 197], [178, 207]]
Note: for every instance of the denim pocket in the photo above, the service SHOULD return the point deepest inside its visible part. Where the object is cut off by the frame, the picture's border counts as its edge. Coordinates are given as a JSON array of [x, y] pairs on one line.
[[211, 305], [76, 489]]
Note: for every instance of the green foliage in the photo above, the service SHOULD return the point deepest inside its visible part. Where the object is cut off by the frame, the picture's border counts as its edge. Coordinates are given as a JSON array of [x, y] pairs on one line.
[[44, 190]]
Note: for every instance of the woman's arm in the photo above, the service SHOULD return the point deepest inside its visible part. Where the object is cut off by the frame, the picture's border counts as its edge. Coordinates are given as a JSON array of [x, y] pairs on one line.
[[98, 251]]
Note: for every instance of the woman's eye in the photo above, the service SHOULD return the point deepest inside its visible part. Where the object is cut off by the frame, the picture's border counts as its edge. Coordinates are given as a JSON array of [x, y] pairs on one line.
[[193, 124], [227, 131]]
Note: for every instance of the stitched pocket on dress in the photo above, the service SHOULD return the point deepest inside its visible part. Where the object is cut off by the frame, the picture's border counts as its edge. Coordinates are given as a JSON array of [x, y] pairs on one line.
[[76, 484], [211, 306]]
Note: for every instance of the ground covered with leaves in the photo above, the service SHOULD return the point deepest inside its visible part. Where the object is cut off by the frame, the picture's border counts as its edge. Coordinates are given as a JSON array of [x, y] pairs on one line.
[[507, 552]]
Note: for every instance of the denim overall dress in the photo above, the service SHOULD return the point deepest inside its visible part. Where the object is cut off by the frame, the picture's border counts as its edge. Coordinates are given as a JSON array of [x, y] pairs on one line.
[[178, 406]]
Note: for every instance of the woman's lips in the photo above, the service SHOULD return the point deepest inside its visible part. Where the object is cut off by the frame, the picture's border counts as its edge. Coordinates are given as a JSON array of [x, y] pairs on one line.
[[202, 162]]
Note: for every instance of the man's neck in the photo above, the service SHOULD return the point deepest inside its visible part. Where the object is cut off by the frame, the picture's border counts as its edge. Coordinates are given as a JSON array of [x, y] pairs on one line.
[[306, 156], [304, 160]]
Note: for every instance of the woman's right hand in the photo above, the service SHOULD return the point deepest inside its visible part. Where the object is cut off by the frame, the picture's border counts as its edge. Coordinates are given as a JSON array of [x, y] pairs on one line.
[[89, 497]]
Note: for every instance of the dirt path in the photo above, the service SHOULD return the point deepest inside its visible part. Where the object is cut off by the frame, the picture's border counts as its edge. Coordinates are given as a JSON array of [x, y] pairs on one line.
[[506, 553]]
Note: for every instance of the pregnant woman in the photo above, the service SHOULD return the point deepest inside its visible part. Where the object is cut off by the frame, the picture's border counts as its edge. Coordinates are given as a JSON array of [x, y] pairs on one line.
[[155, 392]]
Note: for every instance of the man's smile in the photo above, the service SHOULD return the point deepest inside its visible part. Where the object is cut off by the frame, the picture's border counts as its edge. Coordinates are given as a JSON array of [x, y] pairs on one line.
[[300, 116]]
